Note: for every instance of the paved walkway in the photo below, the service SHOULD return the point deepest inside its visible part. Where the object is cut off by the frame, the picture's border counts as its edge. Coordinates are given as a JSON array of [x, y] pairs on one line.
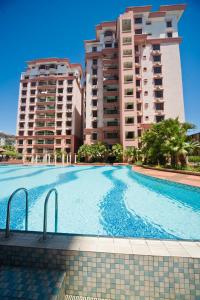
[[177, 177]]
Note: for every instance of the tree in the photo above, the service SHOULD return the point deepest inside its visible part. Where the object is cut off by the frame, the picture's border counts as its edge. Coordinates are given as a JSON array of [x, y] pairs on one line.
[[96, 152], [131, 154], [117, 151], [167, 141]]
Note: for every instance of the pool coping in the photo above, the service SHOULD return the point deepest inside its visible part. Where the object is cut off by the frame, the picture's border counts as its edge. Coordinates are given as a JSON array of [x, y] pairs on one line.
[[161, 175], [129, 246]]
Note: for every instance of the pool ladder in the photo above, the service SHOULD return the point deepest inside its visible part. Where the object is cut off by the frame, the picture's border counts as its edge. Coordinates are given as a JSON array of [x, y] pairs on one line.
[[7, 232]]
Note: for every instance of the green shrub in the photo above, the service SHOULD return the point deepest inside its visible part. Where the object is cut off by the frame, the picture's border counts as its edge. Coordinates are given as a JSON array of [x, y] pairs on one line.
[[194, 159]]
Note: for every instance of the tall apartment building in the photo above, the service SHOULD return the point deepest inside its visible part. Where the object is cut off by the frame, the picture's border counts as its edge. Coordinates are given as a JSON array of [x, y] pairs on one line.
[[133, 75], [50, 108]]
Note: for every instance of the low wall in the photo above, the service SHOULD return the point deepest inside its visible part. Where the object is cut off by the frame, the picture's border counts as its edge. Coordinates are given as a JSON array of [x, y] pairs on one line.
[[104, 273]]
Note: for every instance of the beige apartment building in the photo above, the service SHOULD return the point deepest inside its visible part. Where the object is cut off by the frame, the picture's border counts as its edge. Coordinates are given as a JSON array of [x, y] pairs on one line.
[[133, 75], [49, 109]]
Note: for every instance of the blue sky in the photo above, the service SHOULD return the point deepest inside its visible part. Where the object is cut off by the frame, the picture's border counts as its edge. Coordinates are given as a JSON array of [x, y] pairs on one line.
[[48, 28]]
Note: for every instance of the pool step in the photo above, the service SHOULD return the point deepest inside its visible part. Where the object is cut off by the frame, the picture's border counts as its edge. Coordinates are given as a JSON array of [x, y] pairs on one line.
[[23, 283]]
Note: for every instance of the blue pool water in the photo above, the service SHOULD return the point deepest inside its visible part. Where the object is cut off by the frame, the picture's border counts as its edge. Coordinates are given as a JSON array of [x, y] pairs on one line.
[[113, 201]]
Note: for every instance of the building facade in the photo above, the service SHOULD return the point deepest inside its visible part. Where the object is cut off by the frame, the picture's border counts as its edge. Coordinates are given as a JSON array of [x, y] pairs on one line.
[[133, 75], [50, 109]]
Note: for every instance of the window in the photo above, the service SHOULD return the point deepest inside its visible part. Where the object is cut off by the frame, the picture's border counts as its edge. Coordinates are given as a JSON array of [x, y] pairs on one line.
[[59, 115], [94, 49], [129, 120], [69, 106], [169, 24], [137, 71], [94, 136], [144, 57], [59, 106], [69, 82], [60, 91], [139, 107], [144, 69], [94, 102], [94, 114], [23, 100], [60, 82], [136, 48], [58, 142], [128, 78], [156, 47], [128, 65], [138, 20], [69, 98], [137, 59], [69, 90], [127, 52], [69, 123], [94, 61], [148, 22], [158, 94], [158, 81], [94, 124], [108, 33], [32, 100], [94, 71], [33, 83], [157, 70], [145, 81], [169, 34], [127, 40], [68, 132], [159, 106], [139, 119], [146, 93], [137, 82], [69, 114], [129, 105], [126, 25], [68, 141], [138, 31], [94, 92], [24, 84], [146, 118], [94, 81], [130, 135], [33, 92], [159, 119], [108, 45], [60, 98], [111, 135], [128, 92], [23, 93], [138, 94], [157, 58], [20, 142]]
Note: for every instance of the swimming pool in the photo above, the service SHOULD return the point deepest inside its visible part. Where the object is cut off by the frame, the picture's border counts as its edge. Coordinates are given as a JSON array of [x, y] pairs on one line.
[[109, 200]]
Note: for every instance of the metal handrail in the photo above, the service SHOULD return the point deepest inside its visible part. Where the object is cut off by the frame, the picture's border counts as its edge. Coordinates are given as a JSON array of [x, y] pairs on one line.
[[45, 212], [8, 211]]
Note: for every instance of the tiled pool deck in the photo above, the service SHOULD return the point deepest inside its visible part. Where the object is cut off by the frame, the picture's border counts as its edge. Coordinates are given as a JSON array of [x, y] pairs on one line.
[[111, 268], [172, 176]]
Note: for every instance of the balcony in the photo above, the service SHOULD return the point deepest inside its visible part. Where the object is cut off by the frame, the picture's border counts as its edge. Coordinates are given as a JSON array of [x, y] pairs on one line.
[[155, 52]]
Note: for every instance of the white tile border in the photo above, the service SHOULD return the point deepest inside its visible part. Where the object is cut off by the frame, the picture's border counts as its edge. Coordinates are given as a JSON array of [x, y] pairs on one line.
[[104, 244]]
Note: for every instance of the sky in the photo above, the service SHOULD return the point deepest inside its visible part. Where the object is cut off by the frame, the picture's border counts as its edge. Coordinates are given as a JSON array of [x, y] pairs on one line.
[[57, 28]]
